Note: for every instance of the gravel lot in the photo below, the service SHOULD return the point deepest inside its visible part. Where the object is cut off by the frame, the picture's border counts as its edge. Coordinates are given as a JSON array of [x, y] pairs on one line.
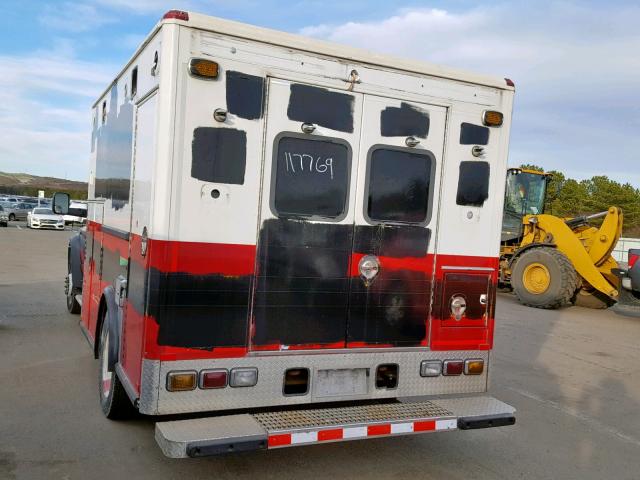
[[572, 375]]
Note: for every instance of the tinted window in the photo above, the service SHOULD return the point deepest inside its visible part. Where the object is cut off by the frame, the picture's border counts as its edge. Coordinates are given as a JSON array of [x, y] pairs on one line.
[[473, 183], [471, 134], [311, 177], [399, 184]]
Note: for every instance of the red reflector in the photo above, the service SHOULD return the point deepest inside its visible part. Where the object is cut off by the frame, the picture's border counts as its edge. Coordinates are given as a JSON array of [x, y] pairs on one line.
[[334, 434], [633, 258], [379, 429], [508, 80], [279, 440], [425, 426], [453, 367], [213, 379], [177, 14]]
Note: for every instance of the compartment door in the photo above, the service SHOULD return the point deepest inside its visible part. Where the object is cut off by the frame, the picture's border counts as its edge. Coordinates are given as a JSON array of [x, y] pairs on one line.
[[301, 291], [392, 268]]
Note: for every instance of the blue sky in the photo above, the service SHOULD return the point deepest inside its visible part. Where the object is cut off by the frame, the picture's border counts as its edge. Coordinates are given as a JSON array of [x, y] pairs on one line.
[[576, 66]]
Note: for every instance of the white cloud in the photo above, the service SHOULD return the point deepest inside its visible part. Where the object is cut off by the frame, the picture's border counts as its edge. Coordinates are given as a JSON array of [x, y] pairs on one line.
[[576, 70], [74, 17], [45, 101]]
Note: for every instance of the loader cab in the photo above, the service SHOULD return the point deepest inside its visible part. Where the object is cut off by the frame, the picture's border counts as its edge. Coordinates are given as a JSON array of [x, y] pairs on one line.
[[525, 194]]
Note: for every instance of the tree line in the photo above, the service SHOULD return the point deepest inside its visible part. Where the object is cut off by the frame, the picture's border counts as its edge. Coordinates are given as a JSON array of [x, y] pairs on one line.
[[567, 197]]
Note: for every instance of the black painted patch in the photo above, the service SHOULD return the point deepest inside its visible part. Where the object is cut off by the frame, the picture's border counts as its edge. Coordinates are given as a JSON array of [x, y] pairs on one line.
[[219, 155], [311, 177], [199, 311], [471, 134], [302, 287], [399, 184], [394, 308], [114, 149], [407, 120], [245, 95], [473, 183], [322, 107]]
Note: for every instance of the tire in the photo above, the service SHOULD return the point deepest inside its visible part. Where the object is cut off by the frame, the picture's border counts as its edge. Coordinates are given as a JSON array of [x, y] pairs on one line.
[[588, 298], [72, 304], [562, 278], [12, 217], [114, 401]]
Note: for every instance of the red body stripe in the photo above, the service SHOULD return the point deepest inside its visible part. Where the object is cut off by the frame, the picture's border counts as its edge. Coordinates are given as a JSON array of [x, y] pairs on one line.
[[424, 426], [379, 430], [333, 434], [231, 259], [279, 440]]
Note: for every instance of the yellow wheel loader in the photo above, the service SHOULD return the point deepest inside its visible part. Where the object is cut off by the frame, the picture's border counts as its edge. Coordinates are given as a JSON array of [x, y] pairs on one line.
[[548, 261]]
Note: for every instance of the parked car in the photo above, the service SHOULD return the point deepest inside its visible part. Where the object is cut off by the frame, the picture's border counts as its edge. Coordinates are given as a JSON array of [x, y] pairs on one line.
[[4, 218], [45, 218], [19, 211], [77, 213]]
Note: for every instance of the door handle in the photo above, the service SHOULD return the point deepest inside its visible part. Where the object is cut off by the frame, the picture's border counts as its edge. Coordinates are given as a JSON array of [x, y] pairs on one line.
[[483, 299]]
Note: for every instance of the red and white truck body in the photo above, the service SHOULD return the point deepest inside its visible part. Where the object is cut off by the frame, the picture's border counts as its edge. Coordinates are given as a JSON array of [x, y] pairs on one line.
[[307, 229]]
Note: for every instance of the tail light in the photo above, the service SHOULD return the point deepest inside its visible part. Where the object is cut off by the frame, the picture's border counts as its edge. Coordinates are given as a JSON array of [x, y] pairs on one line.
[[473, 367], [633, 257], [181, 381], [453, 367], [213, 378]]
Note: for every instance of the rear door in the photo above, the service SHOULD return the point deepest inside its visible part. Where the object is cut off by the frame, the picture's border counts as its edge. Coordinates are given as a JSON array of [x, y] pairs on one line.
[[345, 249], [400, 160], [301, 296]]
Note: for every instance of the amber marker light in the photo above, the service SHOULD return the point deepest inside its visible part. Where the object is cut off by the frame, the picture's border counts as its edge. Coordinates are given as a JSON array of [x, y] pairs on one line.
[[181, 381], [491, 118], [202, 68], [473, 367]]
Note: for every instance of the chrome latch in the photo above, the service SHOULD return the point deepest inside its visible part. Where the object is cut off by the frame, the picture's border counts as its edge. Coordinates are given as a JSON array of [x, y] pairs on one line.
[[369, 267]]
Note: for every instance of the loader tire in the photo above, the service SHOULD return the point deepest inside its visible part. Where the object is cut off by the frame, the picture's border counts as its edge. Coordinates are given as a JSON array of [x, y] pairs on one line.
[[592, 299], [543, 277]]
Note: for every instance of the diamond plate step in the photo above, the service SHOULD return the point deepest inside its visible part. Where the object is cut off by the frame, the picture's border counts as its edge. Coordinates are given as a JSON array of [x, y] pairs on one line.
[[290, 420]]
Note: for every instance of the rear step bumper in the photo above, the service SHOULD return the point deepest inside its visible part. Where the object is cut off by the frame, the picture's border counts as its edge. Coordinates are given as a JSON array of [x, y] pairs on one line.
[[267, 430]]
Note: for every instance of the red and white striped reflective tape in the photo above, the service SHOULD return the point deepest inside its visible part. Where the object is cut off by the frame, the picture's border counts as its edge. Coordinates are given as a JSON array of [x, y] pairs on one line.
[[349, 433]]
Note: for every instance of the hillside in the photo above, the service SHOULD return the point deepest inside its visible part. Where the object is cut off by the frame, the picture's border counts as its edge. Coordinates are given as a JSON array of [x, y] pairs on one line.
[[25, 184]]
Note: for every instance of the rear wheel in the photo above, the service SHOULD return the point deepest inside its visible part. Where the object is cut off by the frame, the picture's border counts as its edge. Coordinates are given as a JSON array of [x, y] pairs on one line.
[[113, 398], [72, 304], [543, 277]]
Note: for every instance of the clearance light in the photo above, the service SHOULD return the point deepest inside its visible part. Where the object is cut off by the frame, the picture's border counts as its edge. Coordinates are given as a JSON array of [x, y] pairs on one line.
[[453, 367], [243, 377], [201, 68], [181, 381], [473, 367], [430, 368], [213, 378], [177, 15], [491, 118]]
